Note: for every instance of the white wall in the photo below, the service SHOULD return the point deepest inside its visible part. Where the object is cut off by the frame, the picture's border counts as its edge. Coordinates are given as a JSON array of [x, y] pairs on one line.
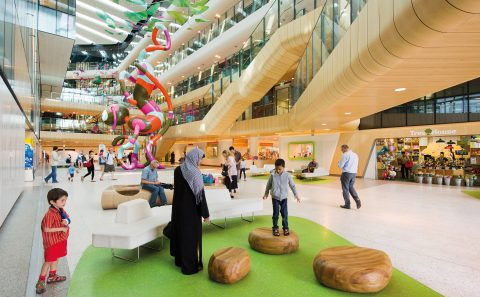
[[325, 146], [371, 170], [12, 151]]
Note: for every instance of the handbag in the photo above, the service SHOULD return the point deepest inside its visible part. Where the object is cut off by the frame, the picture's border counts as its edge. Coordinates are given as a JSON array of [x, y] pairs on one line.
[[409, 164], [225, 170], [168, 230]]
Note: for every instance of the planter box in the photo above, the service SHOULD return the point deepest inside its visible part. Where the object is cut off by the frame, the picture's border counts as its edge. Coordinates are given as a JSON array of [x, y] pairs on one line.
[[458, 182], [420, 179], [447, 180], [439, 180], [429, 179]]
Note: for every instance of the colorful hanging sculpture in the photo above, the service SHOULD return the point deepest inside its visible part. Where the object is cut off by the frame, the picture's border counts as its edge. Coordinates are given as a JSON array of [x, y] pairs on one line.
[[153, 122]]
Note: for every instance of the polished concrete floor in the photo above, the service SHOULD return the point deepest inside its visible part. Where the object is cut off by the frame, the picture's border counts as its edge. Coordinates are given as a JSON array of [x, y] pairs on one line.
[[431, 232]]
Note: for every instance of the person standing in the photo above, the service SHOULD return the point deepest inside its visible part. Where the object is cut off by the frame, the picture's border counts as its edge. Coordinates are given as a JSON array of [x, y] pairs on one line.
[[172, 158], [55, 231], [101, 163], [277, 185], [349, 166], [237, 157], [90, 164], [188, 209], [403, 161], [53, 173], [109, 163], [243, 169], [150, 183]]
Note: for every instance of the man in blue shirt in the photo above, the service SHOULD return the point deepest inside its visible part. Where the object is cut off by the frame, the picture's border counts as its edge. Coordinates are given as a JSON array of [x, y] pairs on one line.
[[349, 166], [150, 183]]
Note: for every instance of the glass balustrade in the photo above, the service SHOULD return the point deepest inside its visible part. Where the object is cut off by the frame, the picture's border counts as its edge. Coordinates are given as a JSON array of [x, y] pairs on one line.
[[221, 24], [335, 19], [77, 126], [279, 14]]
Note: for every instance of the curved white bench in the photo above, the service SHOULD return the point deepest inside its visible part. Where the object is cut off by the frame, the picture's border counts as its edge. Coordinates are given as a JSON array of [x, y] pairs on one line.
[[135, 225]]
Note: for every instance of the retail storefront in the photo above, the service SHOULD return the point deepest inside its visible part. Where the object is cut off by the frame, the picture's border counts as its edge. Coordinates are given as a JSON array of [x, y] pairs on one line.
[[436, 154]]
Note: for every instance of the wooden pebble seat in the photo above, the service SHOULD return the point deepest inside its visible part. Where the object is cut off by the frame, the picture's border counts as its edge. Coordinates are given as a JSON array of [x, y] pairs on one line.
[[113, 195], [229, 265], [262, 240], [353, 269]]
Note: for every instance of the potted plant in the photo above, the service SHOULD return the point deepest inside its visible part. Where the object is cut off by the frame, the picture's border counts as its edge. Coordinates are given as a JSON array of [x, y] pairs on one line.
[[419, 176], [447, 179], [458, 180], [470, 180], [429, 178], [439, 178]]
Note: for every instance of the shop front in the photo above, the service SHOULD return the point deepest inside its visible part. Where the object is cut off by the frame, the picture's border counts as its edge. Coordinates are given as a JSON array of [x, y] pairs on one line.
[[429, 156]]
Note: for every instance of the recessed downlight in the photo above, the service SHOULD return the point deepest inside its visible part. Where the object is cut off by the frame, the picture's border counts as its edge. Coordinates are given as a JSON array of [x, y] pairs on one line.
[[400, 89], [324, 124], [348, 113]]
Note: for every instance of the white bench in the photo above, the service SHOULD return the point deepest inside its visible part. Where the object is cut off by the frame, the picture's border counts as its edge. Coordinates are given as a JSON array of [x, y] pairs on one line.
[[318, 172], [135, 225], [221, 206], [267, 168]]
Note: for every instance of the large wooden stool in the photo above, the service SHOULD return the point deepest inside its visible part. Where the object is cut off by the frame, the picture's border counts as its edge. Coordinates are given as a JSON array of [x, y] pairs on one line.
[[229, 265], [353, 269], [262, 240]]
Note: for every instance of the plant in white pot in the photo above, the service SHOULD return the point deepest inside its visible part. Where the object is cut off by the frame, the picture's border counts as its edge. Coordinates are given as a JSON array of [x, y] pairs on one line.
[[439, 179], [419, 176], [447, 179], [429, 178], [458, 180]]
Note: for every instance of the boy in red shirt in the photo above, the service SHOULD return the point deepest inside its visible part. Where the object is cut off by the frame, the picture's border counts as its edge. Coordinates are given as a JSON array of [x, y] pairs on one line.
[[55, 232]]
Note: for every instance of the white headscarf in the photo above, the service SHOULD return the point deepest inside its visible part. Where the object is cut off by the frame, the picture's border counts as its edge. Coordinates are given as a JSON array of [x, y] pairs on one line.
[[192, 173]]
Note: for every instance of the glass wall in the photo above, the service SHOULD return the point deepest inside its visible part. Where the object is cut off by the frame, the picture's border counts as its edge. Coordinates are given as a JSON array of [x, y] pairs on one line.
[[457, 104], [335, 19], [57, 17], [229, 69], [19, 62]]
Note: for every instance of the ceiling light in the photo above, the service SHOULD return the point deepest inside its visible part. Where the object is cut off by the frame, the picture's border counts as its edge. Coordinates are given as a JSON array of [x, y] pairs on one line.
[[217, 15], [198, 67], [400, 89], [348, 113], [97, 22], [94, 10], [84, 52], [169, 83], [451, 142], [88, 29], [103, 53], [324, 124], [217, 56], [183, 76], [440, 141], [326, 129]]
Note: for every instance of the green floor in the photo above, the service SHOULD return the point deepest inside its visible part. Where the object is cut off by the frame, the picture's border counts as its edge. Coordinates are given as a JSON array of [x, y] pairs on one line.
[[474, 194], [98, 274], [313, 181]]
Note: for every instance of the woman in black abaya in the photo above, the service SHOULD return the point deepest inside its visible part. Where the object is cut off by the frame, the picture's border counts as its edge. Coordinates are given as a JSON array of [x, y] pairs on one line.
[[189, 206]]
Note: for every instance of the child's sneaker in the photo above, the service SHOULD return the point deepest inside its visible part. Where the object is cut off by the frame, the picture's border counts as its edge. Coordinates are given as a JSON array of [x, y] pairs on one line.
[[286, 232], [40, 287], [275, 232], [56, 278]]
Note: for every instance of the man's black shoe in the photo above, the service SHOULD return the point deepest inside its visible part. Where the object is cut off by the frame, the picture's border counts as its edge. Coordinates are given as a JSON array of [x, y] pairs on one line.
[[345, 206], [359, 204]]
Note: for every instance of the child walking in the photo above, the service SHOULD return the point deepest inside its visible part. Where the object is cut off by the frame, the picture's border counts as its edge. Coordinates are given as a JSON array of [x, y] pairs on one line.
[[71, 172], [55, 232], [278, 184]]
